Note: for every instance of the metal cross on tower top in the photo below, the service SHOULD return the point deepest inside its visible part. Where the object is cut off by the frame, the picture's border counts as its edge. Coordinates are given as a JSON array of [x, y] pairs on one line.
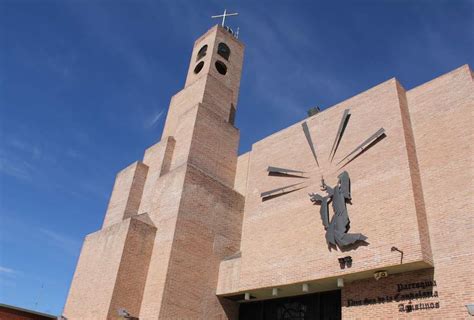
[[225, 15]]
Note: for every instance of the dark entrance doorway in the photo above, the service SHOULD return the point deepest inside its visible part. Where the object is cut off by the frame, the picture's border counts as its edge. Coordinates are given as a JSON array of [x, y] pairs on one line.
[[317, 306]]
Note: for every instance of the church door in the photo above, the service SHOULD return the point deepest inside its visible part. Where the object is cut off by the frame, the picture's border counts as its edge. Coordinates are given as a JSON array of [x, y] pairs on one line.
[[317, 306]]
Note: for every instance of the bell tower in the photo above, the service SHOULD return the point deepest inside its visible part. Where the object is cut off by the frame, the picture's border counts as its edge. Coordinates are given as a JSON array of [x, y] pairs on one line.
[[211, 89], [196, 209], [218, 54], [174, 216]]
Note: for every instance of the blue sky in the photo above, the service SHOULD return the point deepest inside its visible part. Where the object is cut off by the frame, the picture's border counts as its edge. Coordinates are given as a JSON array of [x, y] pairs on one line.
[[85, 86]]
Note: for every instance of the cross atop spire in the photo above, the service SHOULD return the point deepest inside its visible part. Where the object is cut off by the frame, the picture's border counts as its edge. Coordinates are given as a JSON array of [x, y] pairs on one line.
[[224, 15]]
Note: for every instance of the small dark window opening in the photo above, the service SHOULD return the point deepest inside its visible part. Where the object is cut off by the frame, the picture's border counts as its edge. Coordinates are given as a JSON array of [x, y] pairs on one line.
[[202, 52], [232, 114], [198, 67], [223, 50], [221, 67]]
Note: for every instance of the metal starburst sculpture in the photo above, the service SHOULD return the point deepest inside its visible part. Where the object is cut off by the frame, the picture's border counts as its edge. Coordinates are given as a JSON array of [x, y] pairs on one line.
[[338, 225]]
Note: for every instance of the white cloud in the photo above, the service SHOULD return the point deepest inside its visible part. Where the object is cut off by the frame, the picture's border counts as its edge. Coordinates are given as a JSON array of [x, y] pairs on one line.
[[5, 270], [73, 153], [17, 169], [61, 241], [17, 144], [149, 123]]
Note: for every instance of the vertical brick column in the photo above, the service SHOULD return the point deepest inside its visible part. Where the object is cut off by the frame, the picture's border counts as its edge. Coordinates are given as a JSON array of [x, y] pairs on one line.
[[127, 193]]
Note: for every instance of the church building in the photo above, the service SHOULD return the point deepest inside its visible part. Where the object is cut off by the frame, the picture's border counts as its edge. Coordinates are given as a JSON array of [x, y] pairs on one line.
[[362, 211]]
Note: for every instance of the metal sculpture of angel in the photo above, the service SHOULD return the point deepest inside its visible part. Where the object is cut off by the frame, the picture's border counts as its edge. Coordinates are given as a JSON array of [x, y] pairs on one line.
[[338, 226]]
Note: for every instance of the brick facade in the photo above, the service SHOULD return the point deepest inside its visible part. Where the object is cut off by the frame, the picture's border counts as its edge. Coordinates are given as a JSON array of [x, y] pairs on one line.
[[186, 232]]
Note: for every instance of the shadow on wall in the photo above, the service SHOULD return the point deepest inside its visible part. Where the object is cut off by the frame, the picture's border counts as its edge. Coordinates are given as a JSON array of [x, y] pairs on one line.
[[351, 247], [231, 308]]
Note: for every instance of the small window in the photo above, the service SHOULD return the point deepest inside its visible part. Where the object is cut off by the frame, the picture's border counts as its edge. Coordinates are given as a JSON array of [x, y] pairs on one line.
[[221, 67], [198, 67], [202, 52], [223, 50]]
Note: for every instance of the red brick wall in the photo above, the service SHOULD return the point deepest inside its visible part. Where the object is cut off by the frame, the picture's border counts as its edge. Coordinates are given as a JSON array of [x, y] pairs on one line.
[[442, 116], [288, 230], [413, 190]]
